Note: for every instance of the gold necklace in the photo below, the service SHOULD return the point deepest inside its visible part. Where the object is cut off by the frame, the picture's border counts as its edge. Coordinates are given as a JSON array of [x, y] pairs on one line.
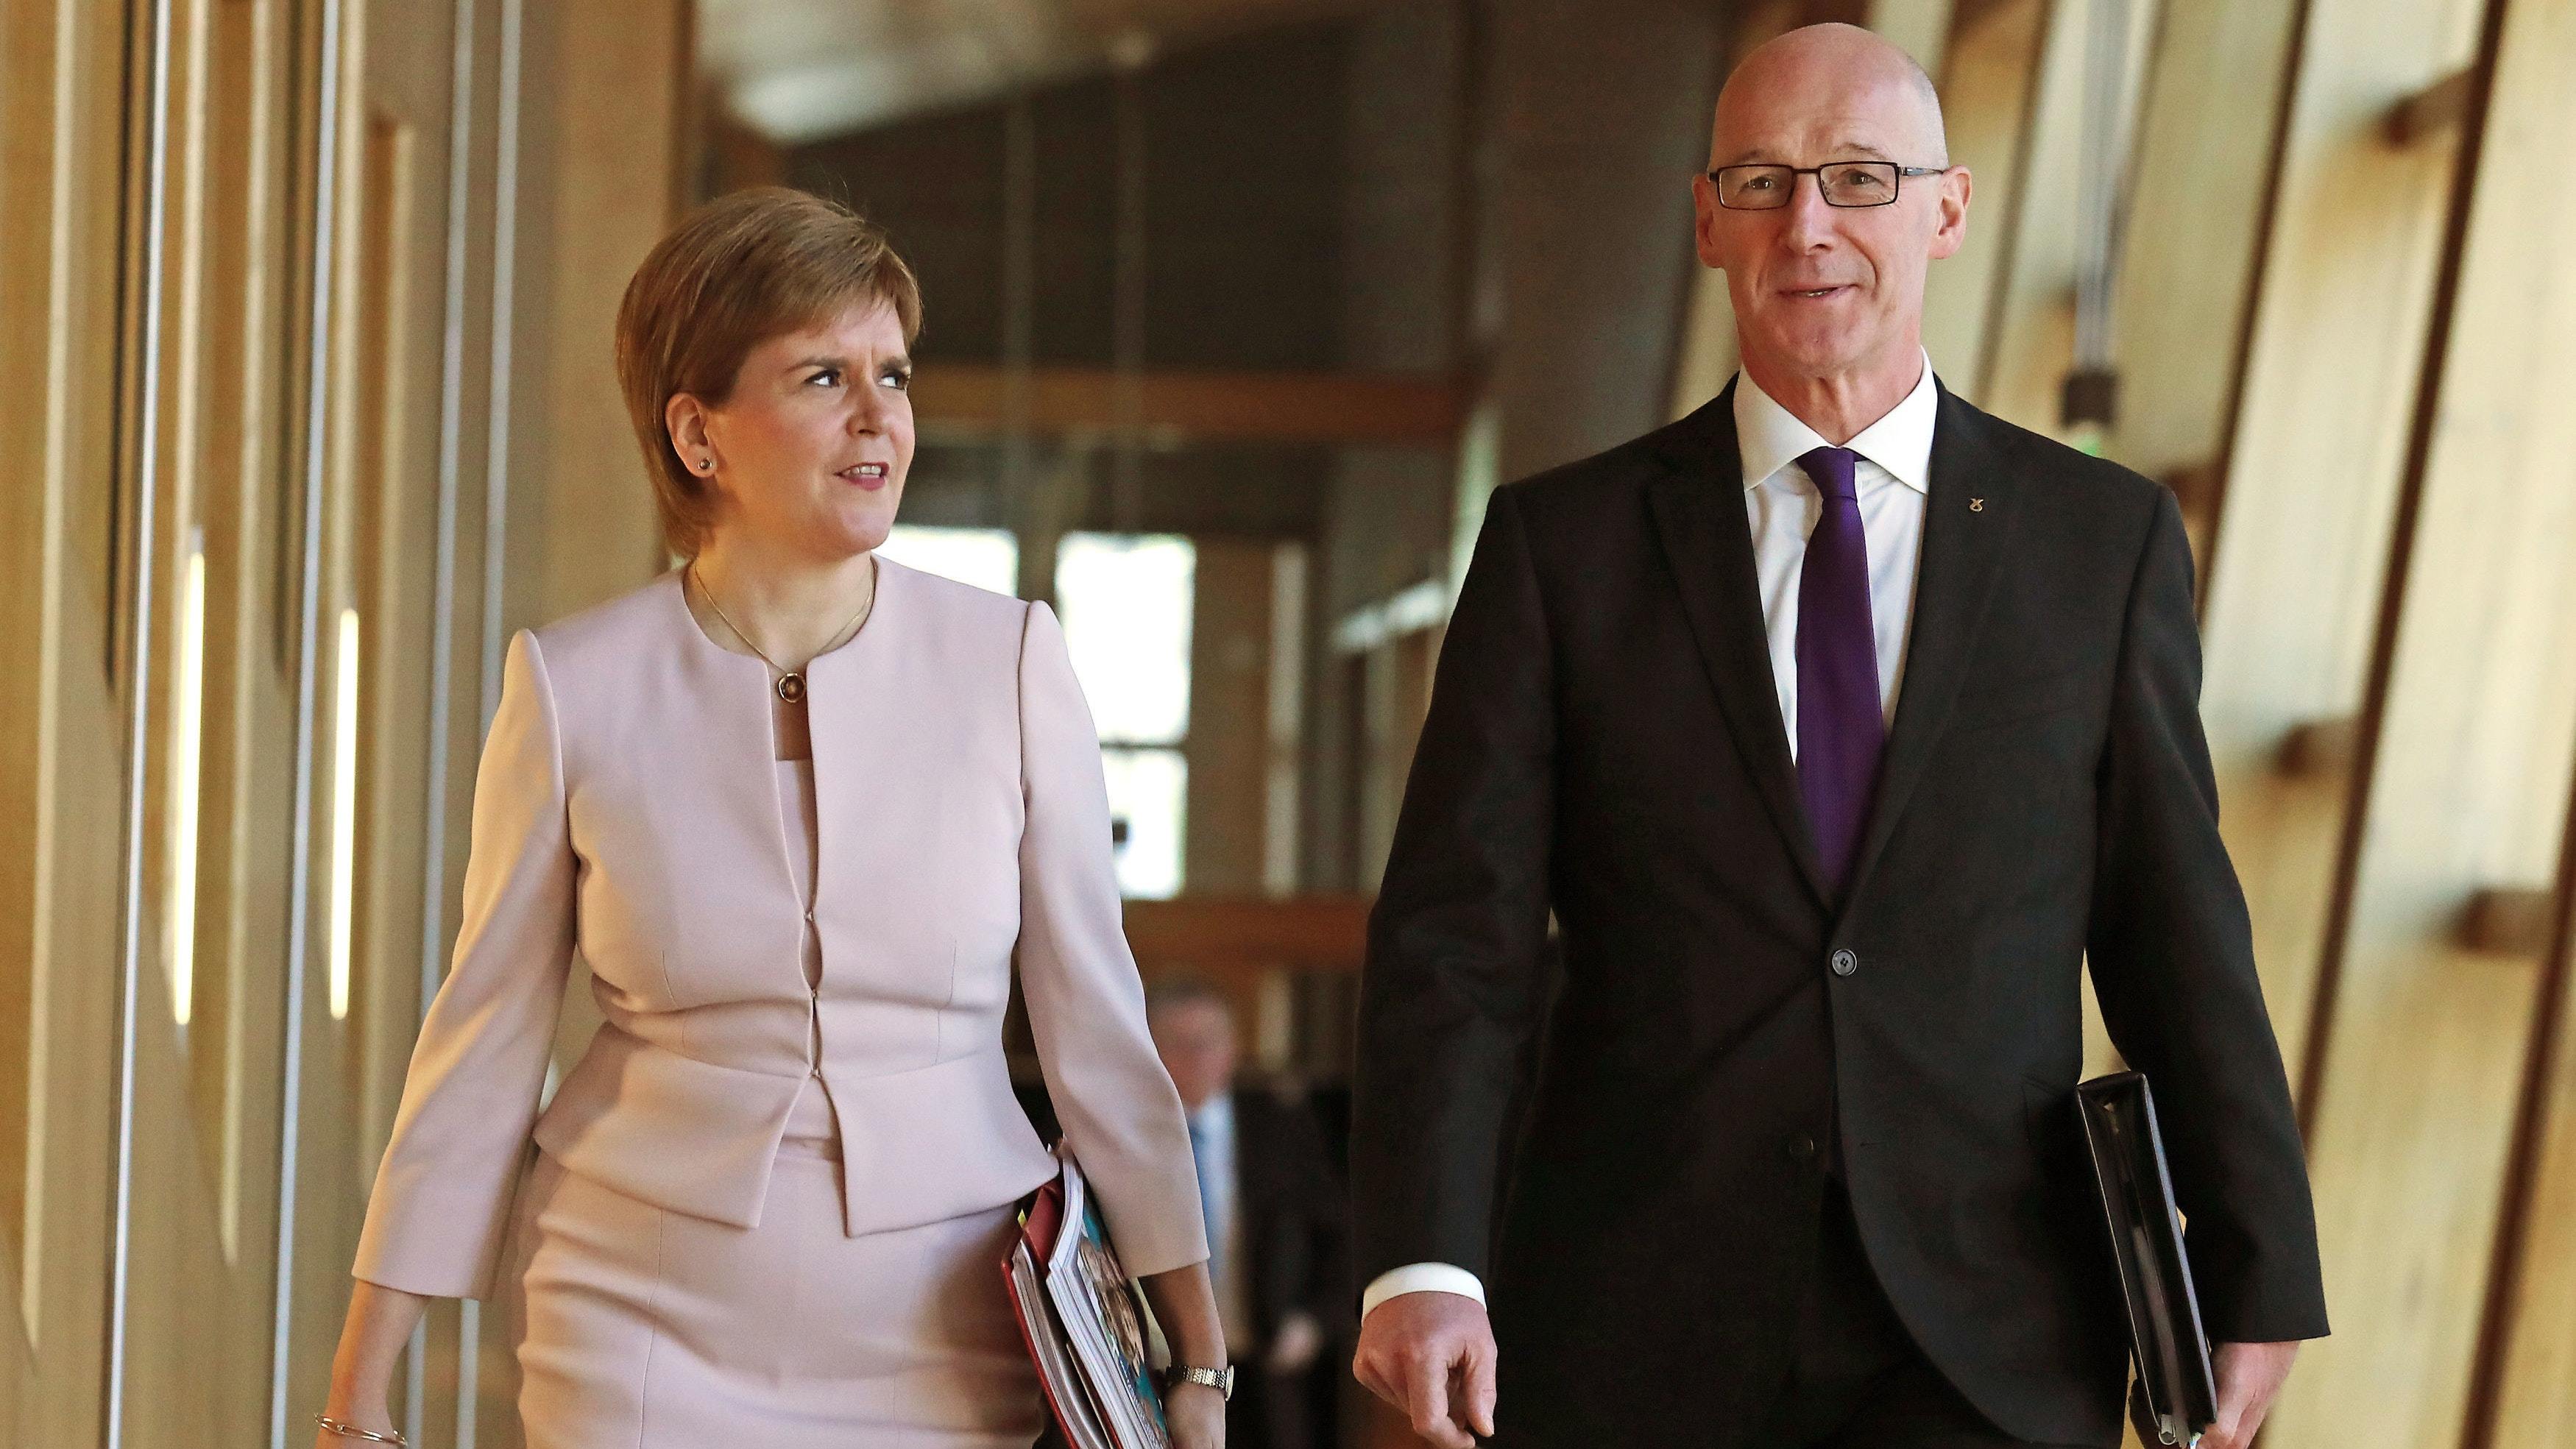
[[791, 682]]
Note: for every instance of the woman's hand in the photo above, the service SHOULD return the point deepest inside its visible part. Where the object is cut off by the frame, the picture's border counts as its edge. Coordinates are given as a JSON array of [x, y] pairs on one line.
[[1184, 1303], [374, 1418], [1195, 1414], [362, 1371]]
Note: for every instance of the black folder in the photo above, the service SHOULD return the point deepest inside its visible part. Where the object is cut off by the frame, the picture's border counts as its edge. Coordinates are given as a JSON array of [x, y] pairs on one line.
[[2180, 1393]]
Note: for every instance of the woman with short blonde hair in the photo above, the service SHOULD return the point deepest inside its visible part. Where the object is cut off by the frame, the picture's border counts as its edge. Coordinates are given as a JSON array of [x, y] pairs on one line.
[[801, 810]]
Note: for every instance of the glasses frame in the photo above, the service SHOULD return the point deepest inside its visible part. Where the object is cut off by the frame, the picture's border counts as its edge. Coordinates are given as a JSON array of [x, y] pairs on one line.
[[1818, 172]]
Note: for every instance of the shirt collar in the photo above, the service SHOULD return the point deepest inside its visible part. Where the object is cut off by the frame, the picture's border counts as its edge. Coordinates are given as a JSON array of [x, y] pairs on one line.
[[1769, 437]]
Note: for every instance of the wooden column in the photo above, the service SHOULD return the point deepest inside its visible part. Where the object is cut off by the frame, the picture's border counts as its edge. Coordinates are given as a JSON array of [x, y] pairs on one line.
[[1229, 737], [2298, 561]]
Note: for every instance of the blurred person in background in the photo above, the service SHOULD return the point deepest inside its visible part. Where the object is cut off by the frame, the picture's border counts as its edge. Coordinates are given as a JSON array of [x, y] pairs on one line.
[[801, 810], [1276, 1224], [1838, 726]]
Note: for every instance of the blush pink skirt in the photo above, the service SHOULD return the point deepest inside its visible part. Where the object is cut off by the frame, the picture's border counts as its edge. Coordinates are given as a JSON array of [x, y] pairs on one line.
[[651, 1329]]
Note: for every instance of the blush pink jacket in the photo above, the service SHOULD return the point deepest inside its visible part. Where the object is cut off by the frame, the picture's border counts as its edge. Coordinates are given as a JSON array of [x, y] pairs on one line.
[[627, 808]]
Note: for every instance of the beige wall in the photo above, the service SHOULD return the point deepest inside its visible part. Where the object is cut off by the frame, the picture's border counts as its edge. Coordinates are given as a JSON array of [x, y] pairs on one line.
[[297, 407]]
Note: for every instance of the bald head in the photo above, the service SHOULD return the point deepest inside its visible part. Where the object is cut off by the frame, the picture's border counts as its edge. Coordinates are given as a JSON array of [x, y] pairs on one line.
[[1839, 83], [1829, 296]]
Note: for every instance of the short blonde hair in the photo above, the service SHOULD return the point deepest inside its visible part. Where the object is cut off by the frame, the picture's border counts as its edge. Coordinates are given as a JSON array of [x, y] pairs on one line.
[[736, 272]]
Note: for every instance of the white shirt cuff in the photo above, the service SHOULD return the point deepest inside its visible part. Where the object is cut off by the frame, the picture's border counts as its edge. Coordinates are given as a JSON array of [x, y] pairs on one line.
[[1421, 1278]]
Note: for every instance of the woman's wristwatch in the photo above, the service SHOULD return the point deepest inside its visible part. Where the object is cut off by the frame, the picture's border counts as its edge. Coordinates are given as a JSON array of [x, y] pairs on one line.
[[1221, 1380]]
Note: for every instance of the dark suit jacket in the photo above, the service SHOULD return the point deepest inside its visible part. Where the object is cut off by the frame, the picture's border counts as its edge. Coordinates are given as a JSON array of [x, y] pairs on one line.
[[1604, 741], [1290, 1206], [1294, 1224]]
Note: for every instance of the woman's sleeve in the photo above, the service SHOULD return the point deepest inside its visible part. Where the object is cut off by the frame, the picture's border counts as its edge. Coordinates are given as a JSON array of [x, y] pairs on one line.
[[442, 1199], [1086, 1006]]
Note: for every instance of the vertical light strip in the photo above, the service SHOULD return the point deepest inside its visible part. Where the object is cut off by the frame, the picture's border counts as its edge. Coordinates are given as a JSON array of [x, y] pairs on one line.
[[299, 902], [187, 734], [147, 374], [344, 810]]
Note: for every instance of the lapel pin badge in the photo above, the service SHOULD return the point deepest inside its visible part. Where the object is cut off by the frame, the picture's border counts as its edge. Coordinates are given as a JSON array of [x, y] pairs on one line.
[[1976, 505]]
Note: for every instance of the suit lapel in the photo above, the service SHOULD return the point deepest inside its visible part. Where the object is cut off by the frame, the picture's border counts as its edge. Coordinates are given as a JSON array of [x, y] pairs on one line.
[[1698, 507], [1967, 523]]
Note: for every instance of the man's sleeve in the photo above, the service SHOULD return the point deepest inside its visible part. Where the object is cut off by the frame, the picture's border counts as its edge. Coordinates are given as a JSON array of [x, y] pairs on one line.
[[2172, 956], [1452, 986]]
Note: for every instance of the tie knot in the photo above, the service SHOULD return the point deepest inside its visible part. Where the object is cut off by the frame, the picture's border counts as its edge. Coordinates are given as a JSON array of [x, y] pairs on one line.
[[1831, 470]]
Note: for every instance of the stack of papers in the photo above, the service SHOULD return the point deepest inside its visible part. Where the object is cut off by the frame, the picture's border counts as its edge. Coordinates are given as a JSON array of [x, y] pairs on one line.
[[1083, 1319]]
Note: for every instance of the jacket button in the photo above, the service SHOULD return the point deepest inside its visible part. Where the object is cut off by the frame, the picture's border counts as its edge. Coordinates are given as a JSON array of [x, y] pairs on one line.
[[1845, 962], [1802, 1147]]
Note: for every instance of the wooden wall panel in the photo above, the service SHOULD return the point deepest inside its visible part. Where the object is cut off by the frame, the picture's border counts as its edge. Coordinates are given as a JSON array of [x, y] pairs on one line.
[[211, 915], [2206, 132], [186, 181], [61, 101], [2302, 539], [603, 191], [2523, 1393], [2027, 341], [1989, 73], [2423, 1066]]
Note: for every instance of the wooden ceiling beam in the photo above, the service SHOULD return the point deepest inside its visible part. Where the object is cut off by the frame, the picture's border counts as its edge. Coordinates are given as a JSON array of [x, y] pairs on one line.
[[1220, 936]]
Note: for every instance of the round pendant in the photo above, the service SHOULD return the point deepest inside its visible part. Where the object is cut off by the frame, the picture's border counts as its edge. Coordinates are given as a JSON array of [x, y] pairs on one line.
[[791, 686]]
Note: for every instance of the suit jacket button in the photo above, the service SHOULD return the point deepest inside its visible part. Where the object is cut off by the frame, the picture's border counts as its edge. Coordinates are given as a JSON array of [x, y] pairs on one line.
[[1845, 962], [1802, 1147]]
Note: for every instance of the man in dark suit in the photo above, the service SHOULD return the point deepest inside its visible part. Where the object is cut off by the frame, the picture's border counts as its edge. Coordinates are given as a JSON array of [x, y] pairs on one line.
[[1276, 1223], [1837, 725]]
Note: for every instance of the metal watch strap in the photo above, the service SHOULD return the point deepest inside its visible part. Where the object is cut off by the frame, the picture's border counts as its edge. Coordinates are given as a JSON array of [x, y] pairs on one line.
[[1221, 1380], [351, 1431]]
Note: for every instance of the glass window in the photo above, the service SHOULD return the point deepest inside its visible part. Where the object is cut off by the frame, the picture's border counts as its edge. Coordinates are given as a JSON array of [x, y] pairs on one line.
[[1126, 604], [988, 558]]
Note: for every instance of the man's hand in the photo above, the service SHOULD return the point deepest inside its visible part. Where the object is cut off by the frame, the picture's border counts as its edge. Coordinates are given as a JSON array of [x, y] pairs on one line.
[[2249, 1374], [1432, 1356]]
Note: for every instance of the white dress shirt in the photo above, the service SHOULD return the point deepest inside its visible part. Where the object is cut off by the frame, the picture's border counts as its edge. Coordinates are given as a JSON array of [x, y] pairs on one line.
[[1782, 505]]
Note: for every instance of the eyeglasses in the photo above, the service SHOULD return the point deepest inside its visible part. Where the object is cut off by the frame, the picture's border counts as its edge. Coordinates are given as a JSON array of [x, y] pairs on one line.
[[1842, 183]]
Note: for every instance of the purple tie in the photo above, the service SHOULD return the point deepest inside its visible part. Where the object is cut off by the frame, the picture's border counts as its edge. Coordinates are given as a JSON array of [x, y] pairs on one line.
[[1840, 728]]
